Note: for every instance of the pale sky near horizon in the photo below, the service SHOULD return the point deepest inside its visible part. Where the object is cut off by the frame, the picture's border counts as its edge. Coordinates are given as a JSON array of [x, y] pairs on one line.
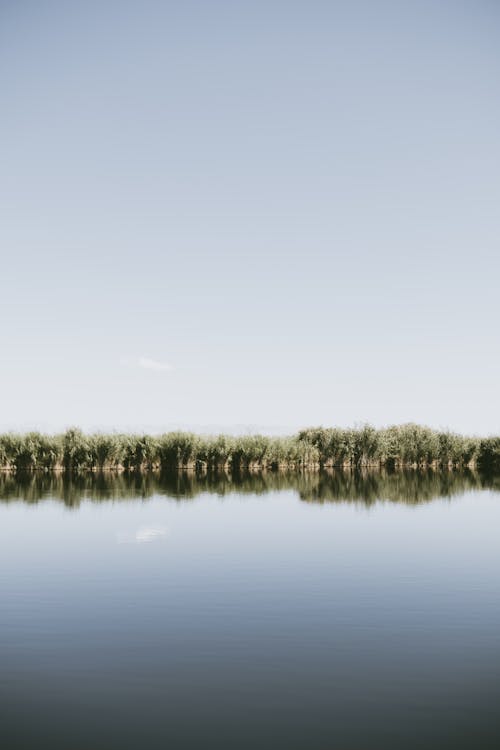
[[262, 215]]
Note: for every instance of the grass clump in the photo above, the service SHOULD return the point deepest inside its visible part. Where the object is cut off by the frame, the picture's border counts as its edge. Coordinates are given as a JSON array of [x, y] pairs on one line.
[[398, 446]]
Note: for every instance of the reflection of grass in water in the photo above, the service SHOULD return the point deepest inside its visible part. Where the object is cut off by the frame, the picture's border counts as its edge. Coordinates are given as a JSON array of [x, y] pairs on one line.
[[409, 487], [367, 487]]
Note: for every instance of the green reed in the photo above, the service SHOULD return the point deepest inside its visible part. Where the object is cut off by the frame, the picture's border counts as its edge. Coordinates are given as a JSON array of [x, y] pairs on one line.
[[399, 446]]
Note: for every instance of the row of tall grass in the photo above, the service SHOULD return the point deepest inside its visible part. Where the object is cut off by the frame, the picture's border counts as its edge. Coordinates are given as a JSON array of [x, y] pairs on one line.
[[400, 446]]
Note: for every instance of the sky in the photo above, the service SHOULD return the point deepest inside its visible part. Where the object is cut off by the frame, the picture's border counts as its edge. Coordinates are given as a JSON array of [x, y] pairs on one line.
[[249, 216]]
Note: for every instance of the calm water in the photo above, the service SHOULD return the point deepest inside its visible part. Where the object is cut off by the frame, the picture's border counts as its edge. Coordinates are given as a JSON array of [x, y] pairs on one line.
[[323, 612]]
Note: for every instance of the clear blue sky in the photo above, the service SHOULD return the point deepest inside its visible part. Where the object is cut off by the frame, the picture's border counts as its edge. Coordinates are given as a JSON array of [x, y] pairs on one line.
[[293, 205]]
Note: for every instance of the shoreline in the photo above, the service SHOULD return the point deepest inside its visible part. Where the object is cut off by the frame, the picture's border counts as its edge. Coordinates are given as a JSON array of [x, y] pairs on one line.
[[244, 469]]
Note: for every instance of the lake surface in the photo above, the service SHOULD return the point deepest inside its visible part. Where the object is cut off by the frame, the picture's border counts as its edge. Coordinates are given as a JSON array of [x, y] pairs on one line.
[[322, 611]]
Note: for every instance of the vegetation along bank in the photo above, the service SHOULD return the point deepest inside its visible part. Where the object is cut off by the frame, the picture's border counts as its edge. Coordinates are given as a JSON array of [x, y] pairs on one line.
[[400, 446]]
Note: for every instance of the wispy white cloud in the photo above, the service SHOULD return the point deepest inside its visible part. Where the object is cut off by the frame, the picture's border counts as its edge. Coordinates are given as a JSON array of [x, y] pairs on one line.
[[153, 364], [146, 363]]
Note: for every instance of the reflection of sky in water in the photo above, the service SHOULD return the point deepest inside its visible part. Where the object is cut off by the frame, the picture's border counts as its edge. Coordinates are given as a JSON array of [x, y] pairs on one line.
[[143, 535], [266, 621]]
